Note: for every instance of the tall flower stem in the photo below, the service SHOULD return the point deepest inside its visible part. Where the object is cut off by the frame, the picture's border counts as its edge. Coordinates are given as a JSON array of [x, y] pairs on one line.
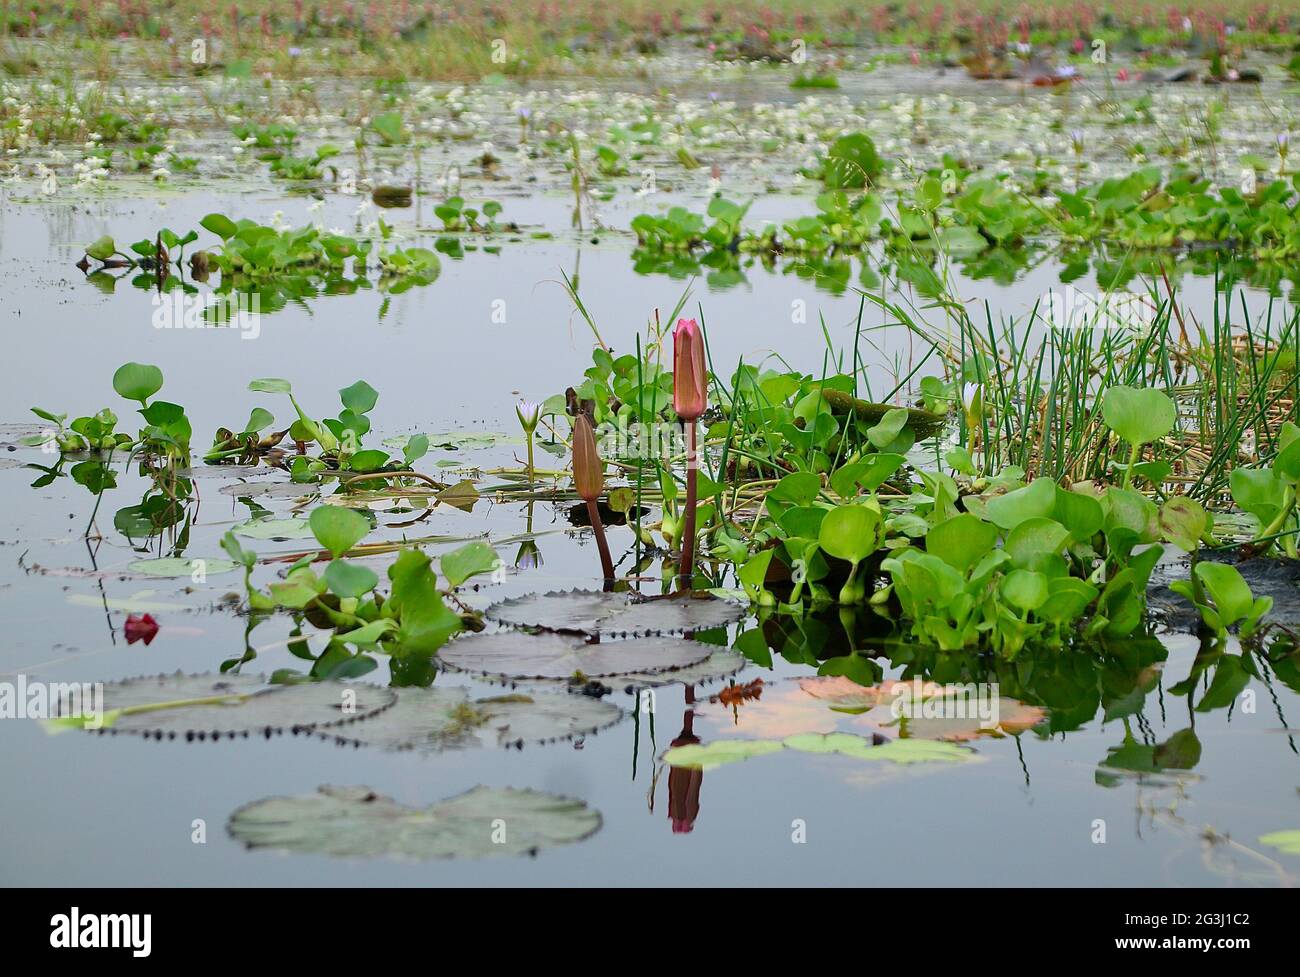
[[531, 476], [687, 567], [606, 564]]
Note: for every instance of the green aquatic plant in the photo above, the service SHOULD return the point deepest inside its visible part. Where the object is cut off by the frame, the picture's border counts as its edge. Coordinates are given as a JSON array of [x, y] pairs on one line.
[[1223, 598]]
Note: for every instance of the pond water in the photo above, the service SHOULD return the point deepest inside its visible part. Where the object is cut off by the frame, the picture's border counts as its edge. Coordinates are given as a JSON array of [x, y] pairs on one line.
[[1040, 806]]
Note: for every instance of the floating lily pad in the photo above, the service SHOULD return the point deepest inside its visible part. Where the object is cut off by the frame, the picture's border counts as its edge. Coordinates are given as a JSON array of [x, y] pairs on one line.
[[270, 490], [12, 435], [11, 463], [274, 529], [224, 471], [212, 706], [1287, 842], [430, 720], [175, 566], [595, 612], [554, 656], [719, 752], [706, 756], [357, 822], [141, 602]]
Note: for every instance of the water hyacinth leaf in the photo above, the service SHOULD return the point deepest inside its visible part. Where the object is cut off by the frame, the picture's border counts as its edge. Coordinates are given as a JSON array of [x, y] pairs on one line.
[[1024, 590], [797, 488], [555, 656], [1008, 511], [468, 561], [427, 622], [435, 719], [211, 706], [1035, 539], [1138, 415], [851, 532], [355, 822], [338, 528], [137, 381], [360, 398], [961, 541], [174, 566], [883, 434], [1184, 521], [350, 579], [613, 615], [1081, 514], [869, 474]]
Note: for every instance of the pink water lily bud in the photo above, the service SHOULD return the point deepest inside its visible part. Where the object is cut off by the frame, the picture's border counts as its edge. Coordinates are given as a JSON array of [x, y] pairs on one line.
[[690, 390], [588, 471]]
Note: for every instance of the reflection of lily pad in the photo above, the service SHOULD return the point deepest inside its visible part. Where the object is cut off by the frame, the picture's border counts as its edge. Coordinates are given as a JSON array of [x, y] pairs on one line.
[[927, 710], [554, 656], [274, 529], [357, 822], [614, 615], [429, 720], [203, 706]]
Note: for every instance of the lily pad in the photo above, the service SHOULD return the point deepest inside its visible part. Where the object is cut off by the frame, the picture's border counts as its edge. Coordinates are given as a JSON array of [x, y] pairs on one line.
[[706, 756], [274, 529], [1287, 842], [211, 706], [357, 822], [431, 720], [597, 613], [554, 656], [720, 752], [270, 490], [175, 566]]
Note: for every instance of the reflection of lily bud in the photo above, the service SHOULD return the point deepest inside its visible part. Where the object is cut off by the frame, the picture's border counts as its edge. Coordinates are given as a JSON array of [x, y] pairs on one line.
[[529, 556], [684, 784]]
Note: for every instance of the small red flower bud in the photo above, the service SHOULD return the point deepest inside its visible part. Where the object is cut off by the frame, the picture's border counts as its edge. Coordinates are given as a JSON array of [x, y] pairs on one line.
[[588, 471], [690, 392]]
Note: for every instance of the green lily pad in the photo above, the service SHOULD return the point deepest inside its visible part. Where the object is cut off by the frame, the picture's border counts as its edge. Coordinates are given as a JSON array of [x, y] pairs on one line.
[[175, 566], [1287, 842], [554, 656], [212, 706], [707, 756], [431, 720], [357, 822], [602, 614], [274, 529]]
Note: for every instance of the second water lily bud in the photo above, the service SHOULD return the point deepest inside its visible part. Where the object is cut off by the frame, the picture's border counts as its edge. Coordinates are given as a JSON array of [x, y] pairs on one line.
[[690, 392], [588, 472]]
